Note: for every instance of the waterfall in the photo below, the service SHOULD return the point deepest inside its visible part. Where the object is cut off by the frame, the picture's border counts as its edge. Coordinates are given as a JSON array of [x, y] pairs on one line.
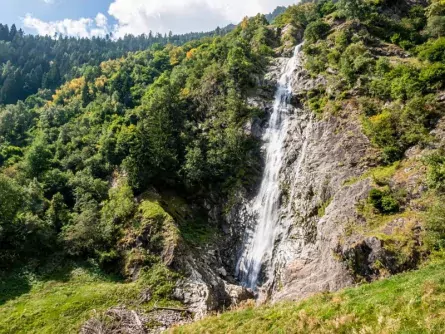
[[266, 204]]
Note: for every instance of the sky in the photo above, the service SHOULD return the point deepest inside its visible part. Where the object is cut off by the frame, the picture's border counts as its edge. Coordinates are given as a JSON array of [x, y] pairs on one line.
[[87, 18]]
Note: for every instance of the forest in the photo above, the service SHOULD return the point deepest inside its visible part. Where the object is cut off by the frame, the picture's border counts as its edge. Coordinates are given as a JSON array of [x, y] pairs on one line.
[[30, 62]]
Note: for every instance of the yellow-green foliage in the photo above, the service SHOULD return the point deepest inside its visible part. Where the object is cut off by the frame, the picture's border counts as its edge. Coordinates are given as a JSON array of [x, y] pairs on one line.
[[380, 175], [407, 303], [152, 213], [322, 210]]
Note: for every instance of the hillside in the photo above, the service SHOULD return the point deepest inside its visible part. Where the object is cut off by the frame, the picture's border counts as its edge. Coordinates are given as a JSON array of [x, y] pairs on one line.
[[32, 63], [276, 161], [406, 303]]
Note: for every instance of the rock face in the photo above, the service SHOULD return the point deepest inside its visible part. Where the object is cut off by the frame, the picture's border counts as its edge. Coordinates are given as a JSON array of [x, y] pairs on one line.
[[205, 286], [321, 155]]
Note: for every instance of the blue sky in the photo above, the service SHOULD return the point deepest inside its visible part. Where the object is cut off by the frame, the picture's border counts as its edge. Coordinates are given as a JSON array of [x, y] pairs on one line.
[[13, 10], [86, 18]]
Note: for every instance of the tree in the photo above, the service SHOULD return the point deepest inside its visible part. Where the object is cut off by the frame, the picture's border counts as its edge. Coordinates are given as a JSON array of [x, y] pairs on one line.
[[38, 158], [353, 8], [11, 200], [316, 31]]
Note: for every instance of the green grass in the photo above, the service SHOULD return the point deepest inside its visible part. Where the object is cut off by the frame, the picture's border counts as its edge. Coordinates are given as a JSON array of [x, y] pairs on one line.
[[413, 302], [380, 175], [60, 302]]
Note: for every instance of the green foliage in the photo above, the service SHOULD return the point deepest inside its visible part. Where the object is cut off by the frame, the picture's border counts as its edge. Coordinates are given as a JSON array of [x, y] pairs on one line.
[[38, 158], [433, 50], [397, 128], [83, 235], [436, 26], [353, 8], [11, 200], [436, 171], [322, 209], [325, 7], [168, 117], [384, 201], [435, 225], [298, 16], [356, 60], [315, 31], [43, 62], [117, 210], [159, 280]]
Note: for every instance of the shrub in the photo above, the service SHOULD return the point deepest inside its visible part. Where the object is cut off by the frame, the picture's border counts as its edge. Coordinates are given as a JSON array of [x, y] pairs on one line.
[[316, 57], [356, 60], [436, 171], [353, 8], [436, 26], [384, 201], [315, 31], [435, 225], [433, 50], [369, 106], [433, 76], [396, 128]]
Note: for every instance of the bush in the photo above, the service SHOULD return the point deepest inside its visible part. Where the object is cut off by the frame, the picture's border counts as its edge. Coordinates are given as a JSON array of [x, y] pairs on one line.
[[316, 57], [397, 128], [384, 201], [433, 50], [315, 31], [354, 8], [436, 171], [433, 76], [355, 61], [435, 225], [436, 26]]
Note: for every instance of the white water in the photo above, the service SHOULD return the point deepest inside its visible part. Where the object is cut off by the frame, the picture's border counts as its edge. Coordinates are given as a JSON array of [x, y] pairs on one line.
[[265, 206]]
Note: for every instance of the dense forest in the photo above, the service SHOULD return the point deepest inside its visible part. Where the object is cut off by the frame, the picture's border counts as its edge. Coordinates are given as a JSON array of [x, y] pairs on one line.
[[93, 130], [30, 63]]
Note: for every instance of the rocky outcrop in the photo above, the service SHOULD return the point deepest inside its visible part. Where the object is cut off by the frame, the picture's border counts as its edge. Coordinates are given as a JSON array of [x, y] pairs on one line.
[[206, 286]]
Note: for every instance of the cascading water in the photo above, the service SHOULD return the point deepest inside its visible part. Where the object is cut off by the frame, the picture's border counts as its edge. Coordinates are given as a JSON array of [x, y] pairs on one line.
[[265, 206]]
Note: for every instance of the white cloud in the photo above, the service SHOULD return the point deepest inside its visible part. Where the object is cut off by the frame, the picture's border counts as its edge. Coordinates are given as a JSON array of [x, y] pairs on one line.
[[180, 16], [101, 20], [84, 27], [141, 16], [49, 2]]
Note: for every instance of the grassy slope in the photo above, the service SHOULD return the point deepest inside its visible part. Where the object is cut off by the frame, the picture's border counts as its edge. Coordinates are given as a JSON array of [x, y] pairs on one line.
[[413, 302], [58, 304]]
